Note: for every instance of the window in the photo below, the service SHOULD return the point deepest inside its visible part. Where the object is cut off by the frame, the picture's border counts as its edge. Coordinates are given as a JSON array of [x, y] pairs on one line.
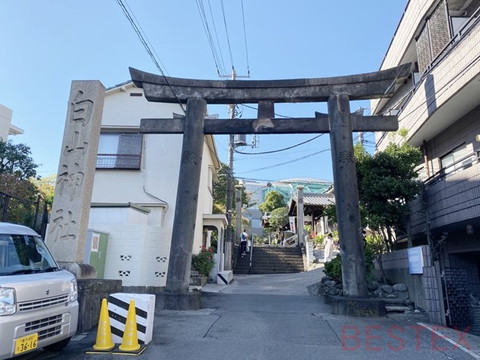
[[456, 159], [119, 151]]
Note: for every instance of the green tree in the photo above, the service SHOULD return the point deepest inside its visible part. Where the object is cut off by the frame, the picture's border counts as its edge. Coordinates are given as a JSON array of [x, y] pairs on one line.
[[273, 200], [387, 181], [18, 194], [46, 187], [16, 160], [220, 191], [278, 217]]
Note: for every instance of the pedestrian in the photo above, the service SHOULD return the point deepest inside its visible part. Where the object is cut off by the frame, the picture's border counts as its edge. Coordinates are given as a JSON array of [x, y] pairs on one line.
[[243, 242], [249, 244], [328, 250]]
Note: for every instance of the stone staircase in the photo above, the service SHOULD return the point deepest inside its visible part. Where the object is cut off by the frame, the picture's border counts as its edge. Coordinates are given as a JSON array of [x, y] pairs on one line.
[[271, 260]]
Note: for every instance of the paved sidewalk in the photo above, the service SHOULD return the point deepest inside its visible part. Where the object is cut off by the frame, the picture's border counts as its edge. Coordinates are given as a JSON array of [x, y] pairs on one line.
[[272, 317], [276, 284]]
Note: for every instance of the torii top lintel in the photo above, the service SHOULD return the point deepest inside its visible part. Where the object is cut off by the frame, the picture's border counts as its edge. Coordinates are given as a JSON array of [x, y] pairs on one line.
[[358, 87]]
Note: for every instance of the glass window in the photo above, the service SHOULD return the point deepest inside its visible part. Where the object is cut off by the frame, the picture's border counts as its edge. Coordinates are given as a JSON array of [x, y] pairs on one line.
[[24, 254], [119, 151], [456, 159]]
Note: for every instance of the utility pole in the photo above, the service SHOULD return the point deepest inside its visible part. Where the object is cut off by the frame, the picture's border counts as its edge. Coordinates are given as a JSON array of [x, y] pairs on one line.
[[228, 205], [229, 241]]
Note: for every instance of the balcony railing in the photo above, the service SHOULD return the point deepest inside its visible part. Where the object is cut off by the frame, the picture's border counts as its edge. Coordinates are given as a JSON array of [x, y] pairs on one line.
[[118, 161], [462, 32], [450, 196], [455, 167]]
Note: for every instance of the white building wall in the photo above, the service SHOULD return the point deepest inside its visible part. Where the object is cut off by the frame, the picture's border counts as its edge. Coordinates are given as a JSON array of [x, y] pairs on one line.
[[139, 246], [5, 119]]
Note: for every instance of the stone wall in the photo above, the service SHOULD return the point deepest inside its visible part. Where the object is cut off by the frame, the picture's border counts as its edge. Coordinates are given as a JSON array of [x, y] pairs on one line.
[[90, 295], [424, 289]]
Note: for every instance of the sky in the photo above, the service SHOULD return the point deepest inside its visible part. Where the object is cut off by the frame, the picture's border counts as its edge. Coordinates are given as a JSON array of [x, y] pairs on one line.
[[45, 45]]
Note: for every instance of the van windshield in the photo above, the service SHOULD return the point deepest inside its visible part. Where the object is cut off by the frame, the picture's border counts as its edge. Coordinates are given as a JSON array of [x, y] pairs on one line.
[[24, 254]]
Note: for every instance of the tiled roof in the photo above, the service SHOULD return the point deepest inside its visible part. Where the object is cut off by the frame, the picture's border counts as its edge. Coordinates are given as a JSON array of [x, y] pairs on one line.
[[314, 199]]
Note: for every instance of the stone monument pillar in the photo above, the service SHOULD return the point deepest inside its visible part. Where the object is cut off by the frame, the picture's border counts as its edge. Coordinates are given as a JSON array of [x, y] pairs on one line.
[[300, 219], [238, 211], [67, 229]]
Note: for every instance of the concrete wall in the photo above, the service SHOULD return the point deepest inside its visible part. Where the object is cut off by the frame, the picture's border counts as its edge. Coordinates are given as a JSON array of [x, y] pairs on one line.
[[423, 289]]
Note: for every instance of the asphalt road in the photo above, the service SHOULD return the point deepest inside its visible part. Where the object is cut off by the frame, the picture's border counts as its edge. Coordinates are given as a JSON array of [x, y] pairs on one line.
[[274, 317]]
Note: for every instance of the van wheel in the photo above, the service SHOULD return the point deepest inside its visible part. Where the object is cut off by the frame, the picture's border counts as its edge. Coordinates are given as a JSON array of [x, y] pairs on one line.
[[57, 346]]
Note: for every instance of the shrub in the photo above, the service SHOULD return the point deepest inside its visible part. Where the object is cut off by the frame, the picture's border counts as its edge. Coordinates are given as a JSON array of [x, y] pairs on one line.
[[318, 240], [333, 268], [203, 262]]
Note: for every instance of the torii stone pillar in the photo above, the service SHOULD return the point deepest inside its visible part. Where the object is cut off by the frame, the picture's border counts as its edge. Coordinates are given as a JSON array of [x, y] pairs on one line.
[[179, 265], [67, 230], [346, 197]]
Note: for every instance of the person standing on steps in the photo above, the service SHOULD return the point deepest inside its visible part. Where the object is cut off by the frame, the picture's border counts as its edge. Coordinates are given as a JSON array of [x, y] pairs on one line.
[[243, 242]]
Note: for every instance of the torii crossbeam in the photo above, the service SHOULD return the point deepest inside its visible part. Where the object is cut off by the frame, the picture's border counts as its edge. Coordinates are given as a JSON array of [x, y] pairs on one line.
[[338, 91]]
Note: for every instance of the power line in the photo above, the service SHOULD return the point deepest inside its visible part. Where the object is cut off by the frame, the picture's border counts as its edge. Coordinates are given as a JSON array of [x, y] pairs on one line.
[[147, 47], [245, 38], [218, 60], [286, 162], [279, 150], [216, 37], [228, 36], [156, 57]]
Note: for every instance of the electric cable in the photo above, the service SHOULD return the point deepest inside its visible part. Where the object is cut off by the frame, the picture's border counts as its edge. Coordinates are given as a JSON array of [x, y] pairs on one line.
[[228, 36], [286, 162], [218, 60], [216, 37], [148, 49], [245, 38], [279, 150]]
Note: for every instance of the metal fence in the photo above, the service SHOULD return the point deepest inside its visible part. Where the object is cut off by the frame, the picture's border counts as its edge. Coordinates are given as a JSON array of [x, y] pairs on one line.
[[32, 213]]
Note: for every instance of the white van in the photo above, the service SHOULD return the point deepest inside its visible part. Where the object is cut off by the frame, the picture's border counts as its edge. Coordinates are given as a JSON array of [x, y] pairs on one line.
[[38, 300]]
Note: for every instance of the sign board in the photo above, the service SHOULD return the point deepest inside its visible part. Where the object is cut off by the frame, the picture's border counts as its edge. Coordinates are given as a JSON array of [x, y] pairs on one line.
[[291, 220], [415, 260], [118, 305], [95, 242]]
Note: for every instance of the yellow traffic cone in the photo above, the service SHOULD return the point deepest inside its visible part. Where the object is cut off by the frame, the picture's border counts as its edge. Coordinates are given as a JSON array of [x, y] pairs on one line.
[[104, 340], [130, 336]]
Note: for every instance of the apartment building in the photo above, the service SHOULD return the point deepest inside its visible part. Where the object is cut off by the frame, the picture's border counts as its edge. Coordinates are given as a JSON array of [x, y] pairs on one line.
[[440, 108]]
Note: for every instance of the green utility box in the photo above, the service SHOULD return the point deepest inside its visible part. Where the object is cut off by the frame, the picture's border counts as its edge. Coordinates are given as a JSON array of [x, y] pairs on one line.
[[96, 251]]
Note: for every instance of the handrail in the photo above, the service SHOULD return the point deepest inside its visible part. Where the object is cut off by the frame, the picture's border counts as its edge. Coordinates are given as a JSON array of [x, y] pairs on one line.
[[440, 174], [251, 251]]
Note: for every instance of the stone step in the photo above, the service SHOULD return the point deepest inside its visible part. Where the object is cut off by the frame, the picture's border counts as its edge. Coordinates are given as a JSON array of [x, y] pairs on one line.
[[269, 266], [271, 260], [397, 308], [267, 271]]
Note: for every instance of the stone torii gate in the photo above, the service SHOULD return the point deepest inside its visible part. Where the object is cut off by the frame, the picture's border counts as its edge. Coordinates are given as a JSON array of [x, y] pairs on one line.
[[339, 122]]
